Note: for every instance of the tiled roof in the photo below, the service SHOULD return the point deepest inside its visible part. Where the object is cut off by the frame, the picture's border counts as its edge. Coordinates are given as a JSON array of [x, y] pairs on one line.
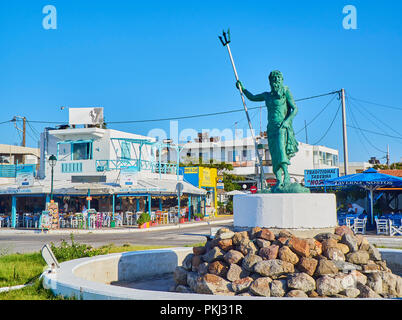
[[392, 172]]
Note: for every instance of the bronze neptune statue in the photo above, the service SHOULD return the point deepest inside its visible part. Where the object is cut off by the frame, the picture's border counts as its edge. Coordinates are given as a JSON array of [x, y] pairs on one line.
[[282, 142]]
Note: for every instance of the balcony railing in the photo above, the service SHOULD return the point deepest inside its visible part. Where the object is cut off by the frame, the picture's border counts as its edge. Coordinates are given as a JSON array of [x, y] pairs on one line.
[[146, 165], [10, 170], [71, 167]]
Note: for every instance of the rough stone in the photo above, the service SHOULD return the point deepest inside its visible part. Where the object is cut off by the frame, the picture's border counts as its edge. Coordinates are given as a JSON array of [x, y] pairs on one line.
[[203, 268], [186, 264], [374, 253], [359, 277], [351, 292], [301, 281], [247, 247], [343, 247], [233, 256], [224, 235], [218, 268], [180, 276], [346, 281], [367, 292], [225, 244], [261, 243], [325, 267], [326, 235], [253, 232], [285, 254], [328, 243], [235, 272], [307, 265], [350, 241], [240, 237], [261, 287], [195, 262], [344, 266], [241, 285], [192, 279], [300, 246], [213, 284], [358, 257], [266, 234], [278, 288], [273, 268], [333, 253], [327, 286], [285, 234], [269, 253], [249, 261], [297, 294], [214, 254], [341, 230], [199, 251]]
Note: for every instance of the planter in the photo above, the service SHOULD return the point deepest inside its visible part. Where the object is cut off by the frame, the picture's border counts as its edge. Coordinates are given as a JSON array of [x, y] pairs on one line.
[[153, 224], [144, 225]]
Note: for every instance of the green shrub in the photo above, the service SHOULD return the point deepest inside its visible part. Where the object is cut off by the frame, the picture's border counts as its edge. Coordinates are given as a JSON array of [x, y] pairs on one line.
[[144, 218], [74, 251]]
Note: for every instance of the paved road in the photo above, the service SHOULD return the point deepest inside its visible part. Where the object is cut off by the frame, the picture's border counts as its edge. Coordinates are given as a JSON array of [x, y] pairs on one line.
[[28, 242], [22, 243]]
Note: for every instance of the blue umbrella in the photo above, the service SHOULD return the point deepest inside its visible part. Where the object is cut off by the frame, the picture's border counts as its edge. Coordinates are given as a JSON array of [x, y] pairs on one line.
[[370, 180]]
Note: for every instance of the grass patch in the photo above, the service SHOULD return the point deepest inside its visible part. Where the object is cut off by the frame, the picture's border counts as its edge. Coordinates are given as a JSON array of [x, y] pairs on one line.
[[17, 269]]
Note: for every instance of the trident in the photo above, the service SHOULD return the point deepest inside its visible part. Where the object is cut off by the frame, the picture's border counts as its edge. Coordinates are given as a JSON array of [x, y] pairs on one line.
[[225, 42]]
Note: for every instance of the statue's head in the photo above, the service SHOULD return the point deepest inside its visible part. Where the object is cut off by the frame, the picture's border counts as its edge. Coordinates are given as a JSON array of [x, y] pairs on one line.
[[276, 82]]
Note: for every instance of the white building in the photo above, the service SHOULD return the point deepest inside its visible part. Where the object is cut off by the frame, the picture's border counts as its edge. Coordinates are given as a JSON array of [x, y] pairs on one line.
[[241, 154]]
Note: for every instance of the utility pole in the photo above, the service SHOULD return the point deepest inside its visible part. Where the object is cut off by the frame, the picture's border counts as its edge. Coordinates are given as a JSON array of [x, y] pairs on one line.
[[24, 131], [388, 156], [305, 128], [345, 138]]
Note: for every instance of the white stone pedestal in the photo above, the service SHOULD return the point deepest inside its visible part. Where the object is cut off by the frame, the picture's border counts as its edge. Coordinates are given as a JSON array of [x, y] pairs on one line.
[[310, 213]]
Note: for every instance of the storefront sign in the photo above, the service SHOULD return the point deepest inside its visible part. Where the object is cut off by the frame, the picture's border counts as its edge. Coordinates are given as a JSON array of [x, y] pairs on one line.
[[53, 209], [316, 177], [271, 182], [128, 178], [24, 175], [190, 170], [85, 116]]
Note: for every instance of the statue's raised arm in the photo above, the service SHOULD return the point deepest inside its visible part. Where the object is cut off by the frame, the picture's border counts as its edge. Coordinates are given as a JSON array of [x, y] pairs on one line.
[[249, 95]]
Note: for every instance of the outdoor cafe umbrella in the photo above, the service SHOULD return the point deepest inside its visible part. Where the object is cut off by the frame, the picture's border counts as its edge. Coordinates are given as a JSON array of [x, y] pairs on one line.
[[370, 180]]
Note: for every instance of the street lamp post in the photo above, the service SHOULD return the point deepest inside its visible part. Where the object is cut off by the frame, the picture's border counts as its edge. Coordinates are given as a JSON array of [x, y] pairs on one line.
[[52, 163]]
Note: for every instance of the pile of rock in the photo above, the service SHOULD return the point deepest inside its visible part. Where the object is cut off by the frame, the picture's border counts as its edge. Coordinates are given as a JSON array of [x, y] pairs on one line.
[[259, 262]]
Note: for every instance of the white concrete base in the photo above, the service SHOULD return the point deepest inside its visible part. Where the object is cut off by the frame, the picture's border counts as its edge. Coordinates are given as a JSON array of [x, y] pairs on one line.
[[293, 211]]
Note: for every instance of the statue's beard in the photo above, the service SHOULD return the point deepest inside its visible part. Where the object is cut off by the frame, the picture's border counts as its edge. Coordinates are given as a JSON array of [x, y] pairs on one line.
[[278, 88]]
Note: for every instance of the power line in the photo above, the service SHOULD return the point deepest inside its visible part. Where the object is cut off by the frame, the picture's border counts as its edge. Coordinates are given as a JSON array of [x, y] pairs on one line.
[[374, 132], [189, 116], [364, 136], [378, 104], [316, 116], [386, 125], [330, 126]]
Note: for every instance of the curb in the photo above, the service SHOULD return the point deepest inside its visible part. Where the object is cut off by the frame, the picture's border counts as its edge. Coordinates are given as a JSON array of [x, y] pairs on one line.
[[122, 230]]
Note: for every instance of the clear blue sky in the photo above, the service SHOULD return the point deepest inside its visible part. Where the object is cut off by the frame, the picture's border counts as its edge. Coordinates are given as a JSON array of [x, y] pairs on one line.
[[156, 59]]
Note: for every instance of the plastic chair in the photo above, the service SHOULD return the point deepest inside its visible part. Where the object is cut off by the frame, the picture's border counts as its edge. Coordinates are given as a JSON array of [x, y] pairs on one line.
[[382, 226], [359, 225]]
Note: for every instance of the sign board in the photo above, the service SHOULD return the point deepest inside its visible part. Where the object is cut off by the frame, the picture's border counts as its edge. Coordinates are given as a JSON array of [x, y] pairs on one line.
[[88, 179], [53, 209], [48, 256], [253, 189], [179, 189], [316, 177], [25, 175], [45, 220], [271, 182], [190, 170], [90, 116], [128, 178]]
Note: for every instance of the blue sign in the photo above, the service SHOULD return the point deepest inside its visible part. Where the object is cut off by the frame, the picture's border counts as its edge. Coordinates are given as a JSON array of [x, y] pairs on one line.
[[316, 177], [25, 175]]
